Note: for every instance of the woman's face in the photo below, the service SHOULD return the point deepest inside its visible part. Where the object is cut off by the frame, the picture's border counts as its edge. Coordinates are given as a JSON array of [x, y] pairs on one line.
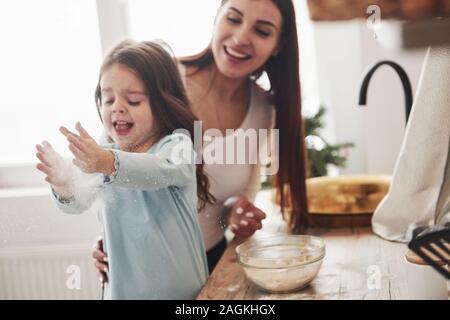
[[125, 109], [246, 34]]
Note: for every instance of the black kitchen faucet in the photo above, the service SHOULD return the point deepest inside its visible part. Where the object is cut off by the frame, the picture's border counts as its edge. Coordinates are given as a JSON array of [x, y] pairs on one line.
[[403, 77]]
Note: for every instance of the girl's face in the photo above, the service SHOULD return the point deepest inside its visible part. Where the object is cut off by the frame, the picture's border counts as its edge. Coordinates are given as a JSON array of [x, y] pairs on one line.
[[246, 34], [125, 109]]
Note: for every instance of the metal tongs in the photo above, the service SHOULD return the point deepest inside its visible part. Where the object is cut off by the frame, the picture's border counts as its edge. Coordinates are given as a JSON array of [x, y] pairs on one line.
[[432, 244]]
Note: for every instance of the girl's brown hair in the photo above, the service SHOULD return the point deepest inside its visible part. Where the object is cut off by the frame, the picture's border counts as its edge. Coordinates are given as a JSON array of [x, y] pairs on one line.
[[167, 96], [283, 72]]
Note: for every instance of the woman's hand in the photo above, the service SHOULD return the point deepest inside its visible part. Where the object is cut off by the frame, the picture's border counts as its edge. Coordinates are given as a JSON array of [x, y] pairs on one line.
[[100, 261], [244, 219], [89, 156], [59, 173]]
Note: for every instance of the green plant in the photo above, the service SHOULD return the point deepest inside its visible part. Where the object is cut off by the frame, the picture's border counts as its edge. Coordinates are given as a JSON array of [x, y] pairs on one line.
[[320, 153]]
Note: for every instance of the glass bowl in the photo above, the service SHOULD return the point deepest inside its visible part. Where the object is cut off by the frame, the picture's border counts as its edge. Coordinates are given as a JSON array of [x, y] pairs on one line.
[[281, 263]]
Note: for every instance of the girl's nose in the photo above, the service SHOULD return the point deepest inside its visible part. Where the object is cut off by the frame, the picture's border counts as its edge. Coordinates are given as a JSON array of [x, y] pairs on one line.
[[118, 107]]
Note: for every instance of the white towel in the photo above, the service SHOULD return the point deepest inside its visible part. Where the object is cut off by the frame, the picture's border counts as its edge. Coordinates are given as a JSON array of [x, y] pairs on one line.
[[420, 190]]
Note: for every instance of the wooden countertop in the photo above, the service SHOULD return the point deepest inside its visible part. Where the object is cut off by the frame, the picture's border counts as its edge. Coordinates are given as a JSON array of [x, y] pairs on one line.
[[357, 265]]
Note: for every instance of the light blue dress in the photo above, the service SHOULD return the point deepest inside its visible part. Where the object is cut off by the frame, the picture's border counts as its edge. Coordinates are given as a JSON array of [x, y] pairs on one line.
[[152, 236]]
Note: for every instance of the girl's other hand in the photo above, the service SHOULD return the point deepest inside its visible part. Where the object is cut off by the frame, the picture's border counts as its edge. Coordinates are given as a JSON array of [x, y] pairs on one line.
[[89, 156], [244, 219], [100, 261], [58, 172]]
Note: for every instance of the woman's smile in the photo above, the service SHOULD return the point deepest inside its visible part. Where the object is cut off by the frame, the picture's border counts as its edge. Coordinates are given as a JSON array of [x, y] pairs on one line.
[[236, 54]]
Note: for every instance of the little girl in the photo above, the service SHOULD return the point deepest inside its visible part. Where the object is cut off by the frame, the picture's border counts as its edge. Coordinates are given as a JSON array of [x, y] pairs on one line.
[[152, 235]]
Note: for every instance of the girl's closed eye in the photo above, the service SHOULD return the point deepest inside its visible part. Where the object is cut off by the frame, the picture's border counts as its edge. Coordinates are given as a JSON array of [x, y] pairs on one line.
[[134, 103], [135, 100], [107, 100]]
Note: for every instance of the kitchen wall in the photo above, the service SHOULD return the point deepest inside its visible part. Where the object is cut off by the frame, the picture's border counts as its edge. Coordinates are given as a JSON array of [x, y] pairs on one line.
[[339, 67], [42, 249], [384, 116], [344, 50]]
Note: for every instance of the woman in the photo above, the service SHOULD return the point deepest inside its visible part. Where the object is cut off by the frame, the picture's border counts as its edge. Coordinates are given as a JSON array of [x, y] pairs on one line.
[[250, 37]]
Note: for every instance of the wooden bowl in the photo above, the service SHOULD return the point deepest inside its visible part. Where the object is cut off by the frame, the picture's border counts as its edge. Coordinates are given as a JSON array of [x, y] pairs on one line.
[[345, 201]]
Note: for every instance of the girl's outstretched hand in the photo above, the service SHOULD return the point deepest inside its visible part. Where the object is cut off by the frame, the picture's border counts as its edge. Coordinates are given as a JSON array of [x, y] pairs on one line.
[[244, 219], [58, 172], [89, 156]]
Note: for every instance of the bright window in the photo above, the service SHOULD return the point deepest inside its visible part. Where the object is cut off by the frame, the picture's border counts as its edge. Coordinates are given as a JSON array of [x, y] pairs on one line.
[[48, 71], [185, 25]]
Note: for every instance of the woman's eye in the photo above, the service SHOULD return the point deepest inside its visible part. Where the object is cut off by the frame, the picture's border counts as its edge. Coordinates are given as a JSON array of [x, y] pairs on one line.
[[263, 33], [233, 20], [108, 102]]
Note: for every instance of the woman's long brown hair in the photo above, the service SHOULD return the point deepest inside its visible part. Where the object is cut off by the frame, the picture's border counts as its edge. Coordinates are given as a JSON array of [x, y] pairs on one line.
[[168, 99], [283, 73]]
